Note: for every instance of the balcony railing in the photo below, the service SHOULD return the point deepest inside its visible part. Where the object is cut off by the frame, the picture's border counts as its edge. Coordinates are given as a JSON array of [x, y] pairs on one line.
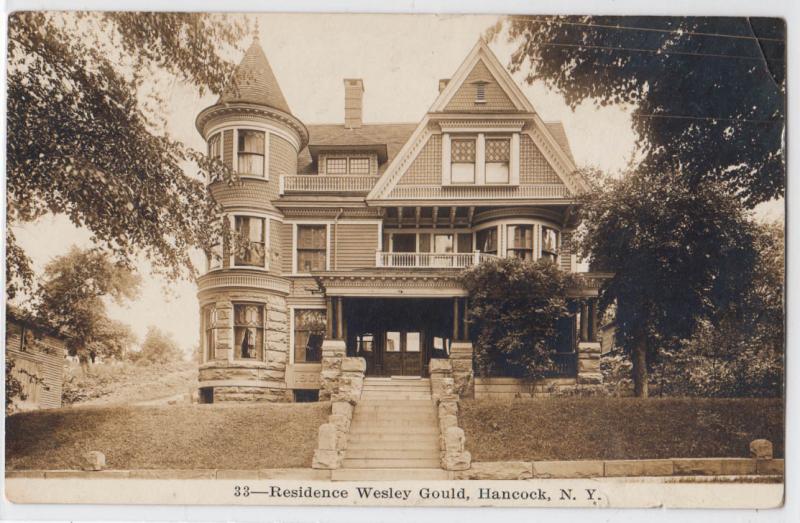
[[429, 260], [326, 183]]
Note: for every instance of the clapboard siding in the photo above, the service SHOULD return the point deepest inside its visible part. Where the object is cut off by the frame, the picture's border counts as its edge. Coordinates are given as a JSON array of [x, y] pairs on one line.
[[355, 245], [43, 358], [286, 247]]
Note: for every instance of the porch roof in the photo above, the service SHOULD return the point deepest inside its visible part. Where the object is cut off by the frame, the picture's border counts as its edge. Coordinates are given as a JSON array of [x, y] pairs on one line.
[[378, 283], [588, 284]]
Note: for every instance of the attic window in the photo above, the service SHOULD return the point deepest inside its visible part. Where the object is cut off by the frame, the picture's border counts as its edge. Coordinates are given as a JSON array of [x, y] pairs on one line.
[[480, 92]]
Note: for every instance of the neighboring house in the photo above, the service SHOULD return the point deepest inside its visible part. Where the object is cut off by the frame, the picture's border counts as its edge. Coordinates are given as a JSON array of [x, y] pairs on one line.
[[38, 353], [355, 232]]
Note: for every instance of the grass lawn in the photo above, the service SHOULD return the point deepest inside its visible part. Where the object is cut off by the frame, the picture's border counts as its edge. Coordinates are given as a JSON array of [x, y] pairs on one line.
[[618, 428], [177, 437]]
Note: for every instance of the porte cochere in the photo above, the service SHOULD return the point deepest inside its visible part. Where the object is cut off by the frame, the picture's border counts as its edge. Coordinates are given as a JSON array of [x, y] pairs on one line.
[[350, 236]]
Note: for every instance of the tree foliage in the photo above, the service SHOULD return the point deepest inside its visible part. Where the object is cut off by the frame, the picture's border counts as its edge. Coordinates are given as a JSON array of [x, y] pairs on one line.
[[708, 93], [86, 132], [158, 347], [71, 297], [678, 253], [515, 308]]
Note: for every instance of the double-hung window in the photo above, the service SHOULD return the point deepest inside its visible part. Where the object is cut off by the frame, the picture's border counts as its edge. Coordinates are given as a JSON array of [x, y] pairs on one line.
[[248, 331], [309, 331], [209, 323], [498, 153], [486, 240], [462, 160], [520, 242], [549, 244], [251, 152], [250, 242], [312, 247]]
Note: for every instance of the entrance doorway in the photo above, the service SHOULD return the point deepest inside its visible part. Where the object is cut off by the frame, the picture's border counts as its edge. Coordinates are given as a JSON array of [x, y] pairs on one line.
[[398, 336]]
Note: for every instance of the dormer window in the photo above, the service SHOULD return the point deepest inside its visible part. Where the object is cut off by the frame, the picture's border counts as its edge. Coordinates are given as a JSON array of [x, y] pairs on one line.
[[498, 153], [462, 156], [480, 92], [336, 166], [251, 152], [359, 165]]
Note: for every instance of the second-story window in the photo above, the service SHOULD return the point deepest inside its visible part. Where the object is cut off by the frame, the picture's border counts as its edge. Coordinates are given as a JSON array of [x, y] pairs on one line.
[[549, 244], [359, 165], [462, 158], [215, 146], [336, 166], [520, 241], [486, 240], [312, 243], [498, 152], [251, 152], [250, 242]]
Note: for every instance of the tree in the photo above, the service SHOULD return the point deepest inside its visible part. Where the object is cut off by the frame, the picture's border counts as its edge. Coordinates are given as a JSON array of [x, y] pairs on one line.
[[515, 308], [697, 84], [86, 133], [70, 298], [679, 253], [158, 347]]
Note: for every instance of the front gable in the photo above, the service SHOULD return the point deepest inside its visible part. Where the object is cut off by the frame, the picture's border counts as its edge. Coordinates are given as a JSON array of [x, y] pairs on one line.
[[494, 97]]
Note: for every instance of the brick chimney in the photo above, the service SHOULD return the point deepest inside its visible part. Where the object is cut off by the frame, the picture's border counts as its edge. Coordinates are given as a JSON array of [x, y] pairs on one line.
[[443, 83], [353, 102]]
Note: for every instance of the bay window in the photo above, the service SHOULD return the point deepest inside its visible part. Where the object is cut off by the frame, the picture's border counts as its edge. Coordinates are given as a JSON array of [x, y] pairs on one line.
[[251, 152], [250, 241], [462, 160], [498, 153], [309, 331], [549, 244], [520, 242], [248, 331], [312, 247]]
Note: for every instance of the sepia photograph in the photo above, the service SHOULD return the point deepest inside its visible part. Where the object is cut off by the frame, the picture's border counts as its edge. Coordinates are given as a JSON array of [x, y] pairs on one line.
[[395, 259]]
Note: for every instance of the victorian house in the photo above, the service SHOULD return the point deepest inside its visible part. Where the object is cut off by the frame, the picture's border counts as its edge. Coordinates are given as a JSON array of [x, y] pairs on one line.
[[355, 232]]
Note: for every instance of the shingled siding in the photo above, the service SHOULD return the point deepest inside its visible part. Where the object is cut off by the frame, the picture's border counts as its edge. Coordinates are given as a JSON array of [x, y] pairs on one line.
[[45, 362], [464, 98], [533, 167], [282, 157], [286, 243], [355, 245], [427, 166], [276, 253], [227, 148]]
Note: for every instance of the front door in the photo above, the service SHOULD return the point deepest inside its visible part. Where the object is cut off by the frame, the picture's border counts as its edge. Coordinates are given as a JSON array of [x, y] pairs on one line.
[[402, 353]]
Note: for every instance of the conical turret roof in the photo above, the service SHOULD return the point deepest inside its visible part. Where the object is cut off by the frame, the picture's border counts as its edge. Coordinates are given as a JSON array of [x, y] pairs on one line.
[[254, 82]]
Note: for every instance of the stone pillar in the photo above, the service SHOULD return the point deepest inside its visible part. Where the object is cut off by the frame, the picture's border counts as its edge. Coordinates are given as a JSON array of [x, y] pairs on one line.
[[463, 374], [441, 372], [351, 380], [223, 331], [589, 363], [584, 321], [592, 319], [333, 352]]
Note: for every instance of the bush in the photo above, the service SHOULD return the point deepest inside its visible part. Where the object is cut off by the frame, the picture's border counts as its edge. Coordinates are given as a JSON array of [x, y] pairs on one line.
[[515, 308]]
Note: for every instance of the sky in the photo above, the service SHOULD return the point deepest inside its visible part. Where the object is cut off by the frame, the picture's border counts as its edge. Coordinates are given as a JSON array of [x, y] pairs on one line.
[[400, 59]]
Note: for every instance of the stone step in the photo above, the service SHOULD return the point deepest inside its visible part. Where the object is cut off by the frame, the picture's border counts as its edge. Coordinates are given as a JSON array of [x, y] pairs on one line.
[[394, 444], [408, 379], [364, 428], [390, 463], [384, 404], [405, 421], [411, 385], [376, 474], [360, 453]]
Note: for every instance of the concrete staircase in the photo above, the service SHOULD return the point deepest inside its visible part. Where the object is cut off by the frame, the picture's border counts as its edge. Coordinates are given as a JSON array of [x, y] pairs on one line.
[[394, 433]]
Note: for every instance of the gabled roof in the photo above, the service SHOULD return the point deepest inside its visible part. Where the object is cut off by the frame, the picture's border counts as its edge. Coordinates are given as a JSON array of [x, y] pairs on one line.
[[392, 136], [254, 82]]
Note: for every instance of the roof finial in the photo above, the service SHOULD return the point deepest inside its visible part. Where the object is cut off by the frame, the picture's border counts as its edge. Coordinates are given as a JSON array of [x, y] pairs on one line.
[[255, 31]]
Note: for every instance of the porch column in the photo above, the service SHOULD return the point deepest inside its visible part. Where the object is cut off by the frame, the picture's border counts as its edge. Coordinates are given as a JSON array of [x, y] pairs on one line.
[[584, 321], [466, 323], [328, 318], [339, 319], [592, 319], [455, 319]]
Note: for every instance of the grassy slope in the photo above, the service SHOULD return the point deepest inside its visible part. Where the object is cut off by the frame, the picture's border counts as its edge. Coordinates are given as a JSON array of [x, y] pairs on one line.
[[180, 437], [618, 428], [126, 383]]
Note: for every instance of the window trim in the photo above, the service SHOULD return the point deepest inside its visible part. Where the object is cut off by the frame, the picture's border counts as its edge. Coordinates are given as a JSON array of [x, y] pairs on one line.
[[292, 309], [327, 225], [267, 251]]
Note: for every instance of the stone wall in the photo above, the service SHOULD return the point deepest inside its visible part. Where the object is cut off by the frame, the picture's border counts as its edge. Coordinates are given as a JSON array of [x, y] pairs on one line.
[[454, 454], [589, 363], [333, 352], [463, 374]]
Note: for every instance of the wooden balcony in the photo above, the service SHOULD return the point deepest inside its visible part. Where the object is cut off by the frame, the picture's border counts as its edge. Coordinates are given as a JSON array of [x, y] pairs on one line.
[[352, 184], [429, 260]]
